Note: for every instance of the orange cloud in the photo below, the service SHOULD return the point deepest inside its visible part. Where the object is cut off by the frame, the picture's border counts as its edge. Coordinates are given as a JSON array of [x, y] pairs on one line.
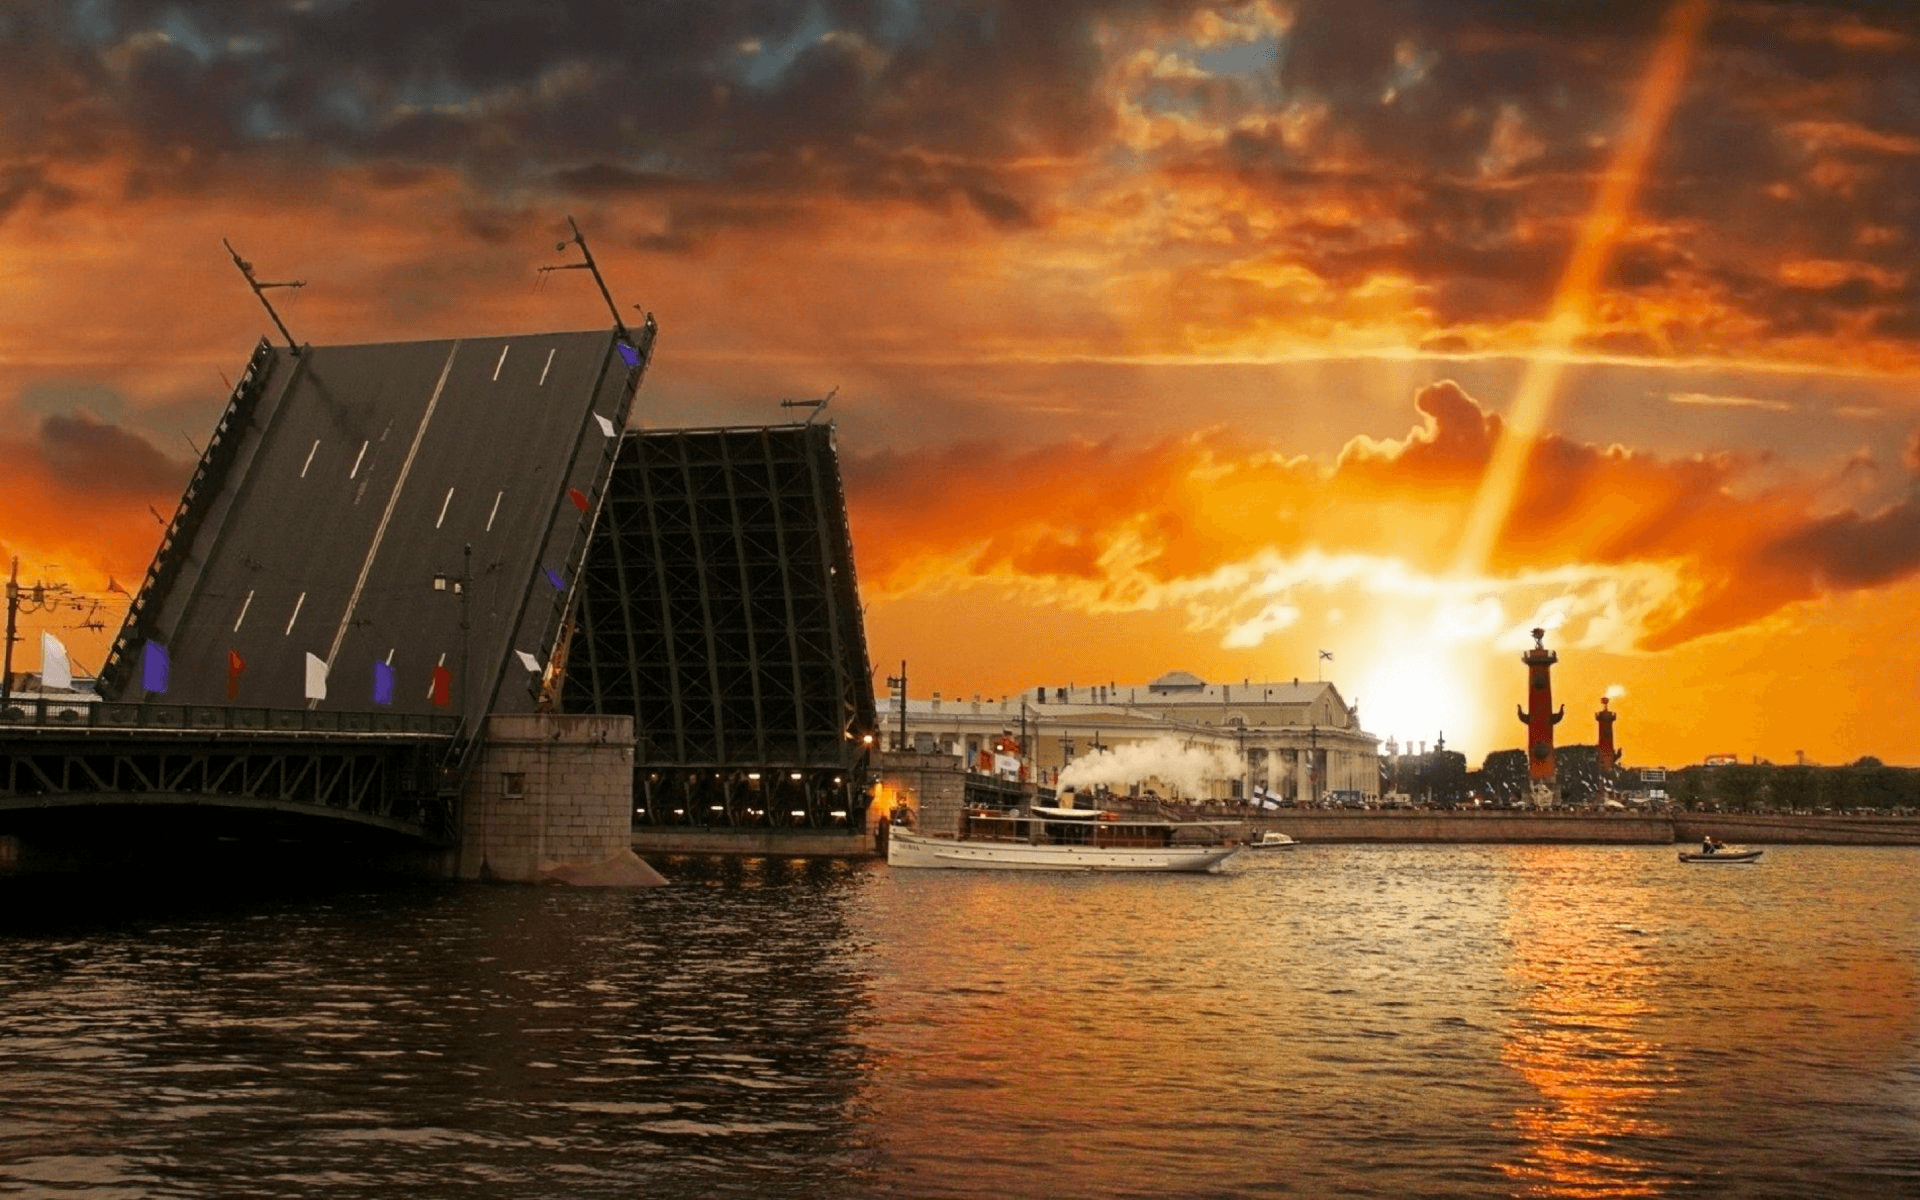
[[1105, 527]]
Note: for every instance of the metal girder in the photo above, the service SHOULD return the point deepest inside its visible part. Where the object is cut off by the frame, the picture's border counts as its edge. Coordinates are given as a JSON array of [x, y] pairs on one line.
[[391, 783], [719, 609]]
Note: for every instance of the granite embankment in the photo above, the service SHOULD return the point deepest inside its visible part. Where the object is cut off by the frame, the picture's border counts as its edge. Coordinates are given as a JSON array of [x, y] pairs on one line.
[[1339, 825]]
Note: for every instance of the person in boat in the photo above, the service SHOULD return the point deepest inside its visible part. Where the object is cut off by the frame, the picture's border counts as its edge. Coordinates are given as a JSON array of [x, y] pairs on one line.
[[1708, 845]]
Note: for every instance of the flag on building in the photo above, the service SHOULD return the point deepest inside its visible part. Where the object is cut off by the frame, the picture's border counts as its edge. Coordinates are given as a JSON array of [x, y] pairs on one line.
[[155, 670], [235, 665], [55, 670], [316, 678]]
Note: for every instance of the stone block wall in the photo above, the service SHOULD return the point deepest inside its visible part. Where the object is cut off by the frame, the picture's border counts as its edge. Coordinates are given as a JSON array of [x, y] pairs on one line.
[[932, 785], [551, 798]]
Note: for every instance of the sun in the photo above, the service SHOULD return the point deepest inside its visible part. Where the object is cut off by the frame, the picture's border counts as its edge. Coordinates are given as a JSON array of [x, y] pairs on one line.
[[1416, 695]]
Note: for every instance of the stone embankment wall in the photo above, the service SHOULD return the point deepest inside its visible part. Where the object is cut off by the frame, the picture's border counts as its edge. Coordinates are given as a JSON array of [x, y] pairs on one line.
[[1317, 825], [551, 800], [1764, 829], [1417, 825], [756, 843]]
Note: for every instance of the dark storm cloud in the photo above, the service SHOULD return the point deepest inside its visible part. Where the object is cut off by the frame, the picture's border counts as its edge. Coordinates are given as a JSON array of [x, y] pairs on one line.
[[85, 453], [883, 99], [1469, 138]]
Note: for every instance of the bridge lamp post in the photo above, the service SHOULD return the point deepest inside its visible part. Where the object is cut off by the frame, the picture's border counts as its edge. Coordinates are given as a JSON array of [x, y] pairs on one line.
[[461, 585]]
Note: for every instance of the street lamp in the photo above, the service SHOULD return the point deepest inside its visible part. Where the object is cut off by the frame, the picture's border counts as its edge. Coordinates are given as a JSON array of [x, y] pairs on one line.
[[899, 682], [461, 585]]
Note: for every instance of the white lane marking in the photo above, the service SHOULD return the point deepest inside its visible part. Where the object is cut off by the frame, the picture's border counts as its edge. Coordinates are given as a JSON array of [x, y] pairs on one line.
[[545, 369], [310, 454], [393, 499], [443, 509], [296, 612], [495, 512], [357, 460], [501, 363], [244, 606]]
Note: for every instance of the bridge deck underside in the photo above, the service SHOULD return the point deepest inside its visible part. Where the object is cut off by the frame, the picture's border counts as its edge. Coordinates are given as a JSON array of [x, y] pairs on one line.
[[720, 610]]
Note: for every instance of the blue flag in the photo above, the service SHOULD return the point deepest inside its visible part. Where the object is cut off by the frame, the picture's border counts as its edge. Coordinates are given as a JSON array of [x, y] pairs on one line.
[[153, 667], [553, 577], [628, 353], [382, 683]]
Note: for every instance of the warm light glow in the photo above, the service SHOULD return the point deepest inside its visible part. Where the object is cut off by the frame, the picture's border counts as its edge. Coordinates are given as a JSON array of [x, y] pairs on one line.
[[1413, 697]]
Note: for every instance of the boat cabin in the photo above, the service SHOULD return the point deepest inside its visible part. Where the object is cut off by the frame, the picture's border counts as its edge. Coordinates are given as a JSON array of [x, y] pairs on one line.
[[1064, 827]]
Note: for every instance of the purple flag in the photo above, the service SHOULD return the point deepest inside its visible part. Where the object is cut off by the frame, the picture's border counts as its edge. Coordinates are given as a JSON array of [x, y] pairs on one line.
[[382, 683], [153, 667], [628, 353], [553, 577]]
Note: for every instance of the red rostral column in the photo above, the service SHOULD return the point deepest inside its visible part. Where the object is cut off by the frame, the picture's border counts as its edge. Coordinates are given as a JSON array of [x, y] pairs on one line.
[[1539, 718], [1608, 756]]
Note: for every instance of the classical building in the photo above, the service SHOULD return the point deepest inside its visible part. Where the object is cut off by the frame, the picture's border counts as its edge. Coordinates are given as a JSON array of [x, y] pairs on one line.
[[1300, 741]]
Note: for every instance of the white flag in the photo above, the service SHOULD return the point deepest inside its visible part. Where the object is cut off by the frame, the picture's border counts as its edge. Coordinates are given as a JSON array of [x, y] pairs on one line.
[[316, 678], [527, 660], [606, 426], [55, 671]]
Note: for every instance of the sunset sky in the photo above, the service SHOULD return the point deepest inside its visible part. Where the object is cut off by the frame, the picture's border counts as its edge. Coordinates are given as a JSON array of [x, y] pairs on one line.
[[1167, 335]]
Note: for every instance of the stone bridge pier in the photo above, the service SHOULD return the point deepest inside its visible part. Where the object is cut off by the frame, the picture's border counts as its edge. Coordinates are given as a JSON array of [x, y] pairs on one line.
[[551, 800]]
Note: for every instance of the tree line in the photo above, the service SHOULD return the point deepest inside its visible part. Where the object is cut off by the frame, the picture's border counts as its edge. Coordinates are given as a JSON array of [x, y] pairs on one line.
[[1440, 779]]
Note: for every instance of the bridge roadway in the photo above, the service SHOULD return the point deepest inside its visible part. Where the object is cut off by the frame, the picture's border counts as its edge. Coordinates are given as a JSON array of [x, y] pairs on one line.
[[342, 481], [384, 772]]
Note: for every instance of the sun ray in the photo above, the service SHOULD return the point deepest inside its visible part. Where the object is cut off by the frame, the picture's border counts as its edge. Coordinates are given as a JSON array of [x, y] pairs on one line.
[[1573, 298]]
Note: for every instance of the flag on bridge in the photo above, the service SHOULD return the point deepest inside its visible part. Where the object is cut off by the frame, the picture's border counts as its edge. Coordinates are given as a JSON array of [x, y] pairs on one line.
[[154, 668], [441, 690], [55, 670], [579, 499], [316, 677], [235, 665], [382, 683]]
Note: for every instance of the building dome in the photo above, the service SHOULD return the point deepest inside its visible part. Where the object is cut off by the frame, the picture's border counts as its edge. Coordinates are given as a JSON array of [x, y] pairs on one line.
[[1177, 681]]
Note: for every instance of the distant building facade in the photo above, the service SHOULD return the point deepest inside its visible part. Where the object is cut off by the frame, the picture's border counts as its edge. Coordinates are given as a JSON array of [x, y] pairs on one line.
[[1301, 742]]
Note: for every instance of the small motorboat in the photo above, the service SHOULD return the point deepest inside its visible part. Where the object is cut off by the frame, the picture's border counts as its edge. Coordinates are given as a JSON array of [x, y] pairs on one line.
[[1272, 839], [1721, 854]]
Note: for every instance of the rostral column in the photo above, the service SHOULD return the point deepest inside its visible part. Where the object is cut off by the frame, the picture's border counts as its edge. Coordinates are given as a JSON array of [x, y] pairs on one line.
[[1539, 718], [1608, 756]]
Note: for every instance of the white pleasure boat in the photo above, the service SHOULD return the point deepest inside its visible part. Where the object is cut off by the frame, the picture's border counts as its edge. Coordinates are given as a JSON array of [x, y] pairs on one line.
[[1063, 839]]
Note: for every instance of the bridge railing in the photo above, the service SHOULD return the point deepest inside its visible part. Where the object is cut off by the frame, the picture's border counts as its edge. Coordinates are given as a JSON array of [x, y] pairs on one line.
[[56, 713]]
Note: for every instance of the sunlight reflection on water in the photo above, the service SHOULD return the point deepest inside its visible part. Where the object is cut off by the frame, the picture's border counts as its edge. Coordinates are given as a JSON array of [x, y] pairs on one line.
[[1361, 1021]]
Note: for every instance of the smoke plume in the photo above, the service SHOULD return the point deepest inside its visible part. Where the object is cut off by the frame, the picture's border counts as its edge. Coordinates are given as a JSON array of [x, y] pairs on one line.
[[1184, 770]]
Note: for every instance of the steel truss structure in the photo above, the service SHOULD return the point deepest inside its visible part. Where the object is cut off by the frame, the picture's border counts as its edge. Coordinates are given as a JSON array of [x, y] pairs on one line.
[[719, 608], [392, 782]]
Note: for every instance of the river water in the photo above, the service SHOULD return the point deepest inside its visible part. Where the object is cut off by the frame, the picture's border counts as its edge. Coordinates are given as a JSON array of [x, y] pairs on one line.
[[1352, 1021]]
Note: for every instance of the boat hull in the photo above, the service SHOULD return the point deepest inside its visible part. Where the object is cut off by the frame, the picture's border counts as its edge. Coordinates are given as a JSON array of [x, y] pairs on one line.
[[907, 849], [1743, 856]]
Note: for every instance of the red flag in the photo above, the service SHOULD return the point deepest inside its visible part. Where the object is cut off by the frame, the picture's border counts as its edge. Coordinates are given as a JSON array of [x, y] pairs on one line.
[[578, 497], [235, 665], [441, 693]]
